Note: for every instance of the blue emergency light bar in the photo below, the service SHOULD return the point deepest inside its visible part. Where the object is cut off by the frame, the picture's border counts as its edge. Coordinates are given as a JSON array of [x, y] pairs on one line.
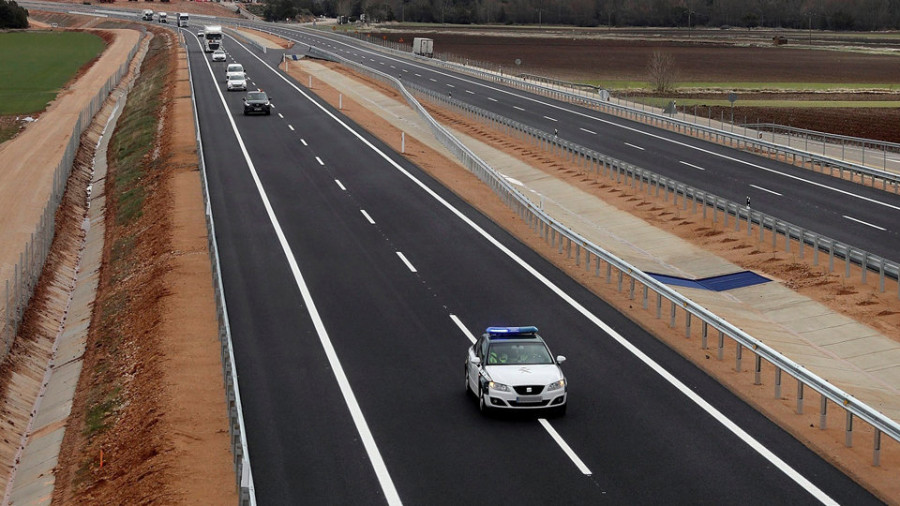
[[511, 331]]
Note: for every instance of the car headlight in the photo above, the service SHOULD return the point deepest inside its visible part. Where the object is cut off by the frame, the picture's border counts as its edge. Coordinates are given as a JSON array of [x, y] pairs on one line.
[[500, 387], [556, 385]]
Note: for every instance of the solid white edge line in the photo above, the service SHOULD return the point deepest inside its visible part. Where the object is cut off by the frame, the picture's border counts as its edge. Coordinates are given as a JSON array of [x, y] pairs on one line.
[[634, 146], [653, 365], [864, 223], [409, 264], [341, 186], [565, 447], [368, 218], [691, 165], [359, 420], [766, 190]]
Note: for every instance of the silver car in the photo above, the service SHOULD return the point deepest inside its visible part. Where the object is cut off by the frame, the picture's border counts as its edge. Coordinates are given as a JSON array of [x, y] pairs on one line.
[[219, 55], [236, 82]]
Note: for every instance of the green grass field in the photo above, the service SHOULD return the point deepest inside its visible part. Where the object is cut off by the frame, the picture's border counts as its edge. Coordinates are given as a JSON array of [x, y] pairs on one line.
[[35, 66]]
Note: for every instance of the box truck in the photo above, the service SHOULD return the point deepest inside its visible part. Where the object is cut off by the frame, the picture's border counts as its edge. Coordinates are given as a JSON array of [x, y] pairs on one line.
[[423, 46]]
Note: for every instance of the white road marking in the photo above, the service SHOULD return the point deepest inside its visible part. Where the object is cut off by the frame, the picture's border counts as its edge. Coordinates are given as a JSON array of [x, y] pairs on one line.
[[404, 70], [280, 116], [588, 131], [291, 127], [418, 75], [470, 92], [320, 161], [492, 99], [341, 186], [369, 218], [864, 223], [409, 265], [517, 107], [634, 146], [359, 420], [551, 119], [304, 142], [765, 190], [463, 328], [393, 67], [450, 85], [381, 470], [692, 165], [432, 79], [565, 447]]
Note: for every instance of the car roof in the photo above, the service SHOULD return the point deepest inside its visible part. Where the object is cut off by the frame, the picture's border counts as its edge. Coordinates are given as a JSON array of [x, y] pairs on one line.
[[527, 333]]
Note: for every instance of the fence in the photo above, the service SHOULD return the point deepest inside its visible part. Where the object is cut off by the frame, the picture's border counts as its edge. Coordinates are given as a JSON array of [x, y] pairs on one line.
[[559, 236], [19, 289]]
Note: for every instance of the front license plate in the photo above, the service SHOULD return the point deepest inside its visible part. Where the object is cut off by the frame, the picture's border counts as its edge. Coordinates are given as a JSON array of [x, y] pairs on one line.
[[529, 398]]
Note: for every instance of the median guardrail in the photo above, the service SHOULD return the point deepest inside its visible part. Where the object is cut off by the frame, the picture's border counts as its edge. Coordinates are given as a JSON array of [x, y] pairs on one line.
[[558, 235]]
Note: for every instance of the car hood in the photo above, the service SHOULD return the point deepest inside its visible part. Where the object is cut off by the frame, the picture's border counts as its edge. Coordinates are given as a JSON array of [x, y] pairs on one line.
[[229, 74], [527, 374]]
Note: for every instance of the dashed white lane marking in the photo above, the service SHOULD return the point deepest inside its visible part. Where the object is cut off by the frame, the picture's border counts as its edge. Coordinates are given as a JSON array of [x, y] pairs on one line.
[[588, 131], [304, 142], [418, 75], [518, 108], [492, 99], [404, 70], [368, 218], [432, 79], [450, 85], [470, 92], [864, 223], [551, 119], [291, 127], [320, 161], [409, 265], [691, 165], [765, 190], [565, 447], [634, 146], [280, 116], [340, 185], [463, 328]]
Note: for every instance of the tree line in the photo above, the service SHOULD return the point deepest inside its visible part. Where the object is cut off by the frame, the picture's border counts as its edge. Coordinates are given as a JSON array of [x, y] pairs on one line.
[[815, 14], [12, 15]]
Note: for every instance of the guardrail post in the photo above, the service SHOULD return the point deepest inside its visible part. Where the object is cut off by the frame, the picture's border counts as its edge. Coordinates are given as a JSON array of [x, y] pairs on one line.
[[848, 431], [823, 411], [757, 370], [816, 249], [737, 356], [865, 266], [847, 258], [608, 272], [704, 330], [881, 275], [777, 382], [631, 295], [658, 305], [799, 397], [831, 257], [619, 281], [687, 324], [876, 448], [644, 302], [672, 313]]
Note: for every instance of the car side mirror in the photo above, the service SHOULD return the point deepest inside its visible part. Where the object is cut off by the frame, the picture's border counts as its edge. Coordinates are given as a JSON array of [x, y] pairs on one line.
[[560, 359], [476, 360]]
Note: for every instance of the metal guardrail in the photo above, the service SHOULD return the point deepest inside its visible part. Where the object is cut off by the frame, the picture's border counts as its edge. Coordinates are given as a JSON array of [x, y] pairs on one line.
[[236, 429], [833, 141], [558, 235], [589, 99], [20, 288]]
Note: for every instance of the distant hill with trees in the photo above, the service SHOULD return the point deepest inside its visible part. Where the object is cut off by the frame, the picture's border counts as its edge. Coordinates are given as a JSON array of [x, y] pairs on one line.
[[816, 14]]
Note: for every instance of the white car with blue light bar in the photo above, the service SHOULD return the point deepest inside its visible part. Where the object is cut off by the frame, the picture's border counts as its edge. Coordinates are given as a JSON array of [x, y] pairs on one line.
[[511, 368]]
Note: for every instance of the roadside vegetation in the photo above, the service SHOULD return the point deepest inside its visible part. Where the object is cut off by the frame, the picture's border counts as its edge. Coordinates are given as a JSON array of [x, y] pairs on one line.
[[12, 15]]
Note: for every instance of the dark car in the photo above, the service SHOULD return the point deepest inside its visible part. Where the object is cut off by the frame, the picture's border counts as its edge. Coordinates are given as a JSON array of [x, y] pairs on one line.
[[257, 101]]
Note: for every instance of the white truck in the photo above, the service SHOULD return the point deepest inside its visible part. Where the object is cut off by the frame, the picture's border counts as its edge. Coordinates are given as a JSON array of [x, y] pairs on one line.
[[423, 46], [212, 38], [183, 19], [147, 15]]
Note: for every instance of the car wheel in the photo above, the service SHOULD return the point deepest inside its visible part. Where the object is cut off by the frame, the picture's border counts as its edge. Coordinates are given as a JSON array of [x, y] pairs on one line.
[[482, 404], [468, 389]]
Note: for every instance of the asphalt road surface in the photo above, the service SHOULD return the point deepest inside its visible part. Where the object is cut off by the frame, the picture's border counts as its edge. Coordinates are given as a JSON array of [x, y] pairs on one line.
[[354, 283]]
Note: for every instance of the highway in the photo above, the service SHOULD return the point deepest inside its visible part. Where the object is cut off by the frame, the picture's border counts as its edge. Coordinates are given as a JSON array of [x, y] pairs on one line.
[[354, 285], [863, 217]]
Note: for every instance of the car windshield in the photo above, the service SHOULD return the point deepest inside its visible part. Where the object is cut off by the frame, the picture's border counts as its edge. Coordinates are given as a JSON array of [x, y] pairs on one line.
[[515, 353], [256, 96], [236, 77], [235, 68]]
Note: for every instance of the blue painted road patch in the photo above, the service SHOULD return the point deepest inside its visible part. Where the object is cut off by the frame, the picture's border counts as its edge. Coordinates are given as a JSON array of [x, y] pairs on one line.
[[715, 283]]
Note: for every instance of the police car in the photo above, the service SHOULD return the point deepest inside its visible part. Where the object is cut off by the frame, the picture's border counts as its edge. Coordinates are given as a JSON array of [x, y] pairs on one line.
[[512, 368]]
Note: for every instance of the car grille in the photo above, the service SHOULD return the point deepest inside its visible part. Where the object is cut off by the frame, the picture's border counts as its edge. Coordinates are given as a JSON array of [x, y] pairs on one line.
[[529, 389], [527, 404]]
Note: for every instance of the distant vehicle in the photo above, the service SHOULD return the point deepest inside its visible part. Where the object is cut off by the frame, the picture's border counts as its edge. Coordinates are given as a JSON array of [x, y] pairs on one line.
[[219, 55], [512, 368], [147, 15], [163, 17], [183, 19], [423, 46], [234, 68], [236, 81], [200, 35], [257, 101], [212, 38]]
